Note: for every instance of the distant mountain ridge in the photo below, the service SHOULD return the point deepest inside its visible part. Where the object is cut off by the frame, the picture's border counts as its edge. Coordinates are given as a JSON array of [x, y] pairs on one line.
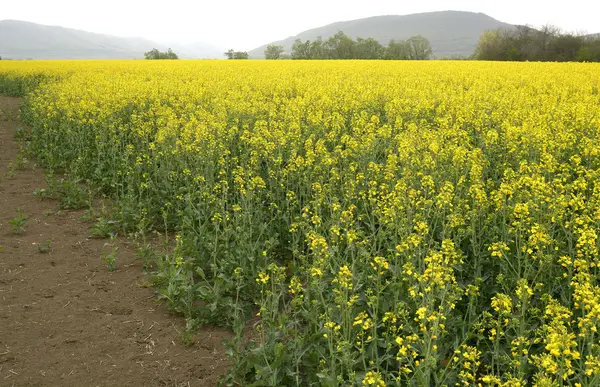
[[26, 40], [451, 33]]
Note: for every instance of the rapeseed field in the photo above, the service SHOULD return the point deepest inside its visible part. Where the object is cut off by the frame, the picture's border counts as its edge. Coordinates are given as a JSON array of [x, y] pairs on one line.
[[374, 223]]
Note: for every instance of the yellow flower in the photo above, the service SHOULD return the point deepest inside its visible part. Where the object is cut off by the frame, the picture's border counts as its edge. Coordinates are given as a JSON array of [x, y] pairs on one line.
[[263, 278], [502, 304], [373, 378], [344, 278]]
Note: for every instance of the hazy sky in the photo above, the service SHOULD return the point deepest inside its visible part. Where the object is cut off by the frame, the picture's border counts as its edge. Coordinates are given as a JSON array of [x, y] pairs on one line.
[[246, 24]]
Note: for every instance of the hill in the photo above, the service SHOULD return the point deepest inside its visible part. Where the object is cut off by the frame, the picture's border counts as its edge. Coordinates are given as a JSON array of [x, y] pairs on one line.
[[25, 40], [451, 33]]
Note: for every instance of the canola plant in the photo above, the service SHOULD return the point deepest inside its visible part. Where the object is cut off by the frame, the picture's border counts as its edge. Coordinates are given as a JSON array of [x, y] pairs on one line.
[[377, 223]]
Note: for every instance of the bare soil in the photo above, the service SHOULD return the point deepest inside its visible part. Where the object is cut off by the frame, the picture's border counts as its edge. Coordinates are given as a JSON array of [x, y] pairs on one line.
[[65, 320]]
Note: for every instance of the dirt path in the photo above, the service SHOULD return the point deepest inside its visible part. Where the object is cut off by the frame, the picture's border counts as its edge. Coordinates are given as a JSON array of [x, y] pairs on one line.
[[65, 320]]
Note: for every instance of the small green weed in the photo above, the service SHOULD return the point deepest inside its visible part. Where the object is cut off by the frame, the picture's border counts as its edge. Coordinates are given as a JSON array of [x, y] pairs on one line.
[[110, 256], [42, 193], [45, 247], [94, 212], [187, 338], [22, 161], [147, 255], [18, 223], [10, 174], [88, 216], [103, 229]]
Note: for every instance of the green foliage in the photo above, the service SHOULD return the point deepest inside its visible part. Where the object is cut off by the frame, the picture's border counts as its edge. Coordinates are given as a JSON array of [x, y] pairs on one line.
[[22, 134], [590, 52], [10, 174], [397, 50], [418, 48], [70, 193], [155, 54], [21, 161], [187, 338], [103, 228], [368, 49], [341, 46], [231, 54], [45, 247], [147, 255], [525, 43], [273, 52], [109, 256], [18, 223], [302, 50]]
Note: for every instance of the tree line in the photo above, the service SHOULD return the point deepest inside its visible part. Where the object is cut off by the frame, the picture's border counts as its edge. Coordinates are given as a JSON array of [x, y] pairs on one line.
[[341, 46], [548, 43], [522, 43]]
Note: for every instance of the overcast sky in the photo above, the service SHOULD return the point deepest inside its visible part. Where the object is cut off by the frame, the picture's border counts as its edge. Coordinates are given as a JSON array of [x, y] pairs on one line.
[[244, 25]]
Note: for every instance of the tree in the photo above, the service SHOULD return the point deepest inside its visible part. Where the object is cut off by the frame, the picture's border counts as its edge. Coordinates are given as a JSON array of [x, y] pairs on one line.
[[155, 54], [340, 46], [546, 35], [491, 46], [317, 49], [171, 55], [231, 54], [419, 48], [301, 50], [590, 52], [397, 50], [152, 54], [273, 52], [565, 47], [526, 43], [368, 49]]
